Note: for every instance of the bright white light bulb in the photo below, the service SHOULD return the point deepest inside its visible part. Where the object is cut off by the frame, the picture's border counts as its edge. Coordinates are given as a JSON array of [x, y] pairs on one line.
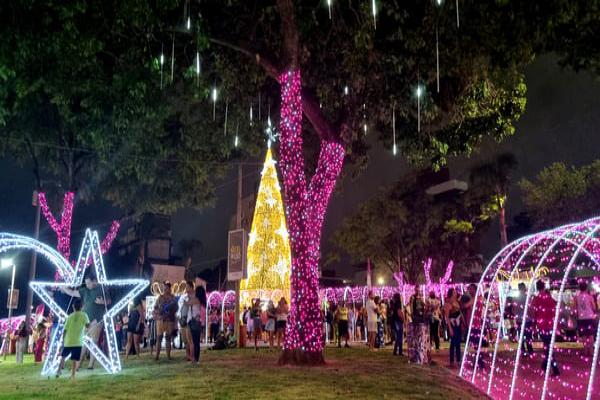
[[189, 23], [214, 94], [365, 128], [346, 90], [236, 141], [419, 91], [394, 149], [162, 58], [197, 63]]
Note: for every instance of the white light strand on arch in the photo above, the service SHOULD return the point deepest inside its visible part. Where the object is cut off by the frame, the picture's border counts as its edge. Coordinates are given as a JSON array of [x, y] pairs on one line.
[[73, 277], [568, 248]]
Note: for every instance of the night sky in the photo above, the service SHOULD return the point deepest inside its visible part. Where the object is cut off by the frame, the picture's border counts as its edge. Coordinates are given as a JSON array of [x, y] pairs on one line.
[[560, 124]]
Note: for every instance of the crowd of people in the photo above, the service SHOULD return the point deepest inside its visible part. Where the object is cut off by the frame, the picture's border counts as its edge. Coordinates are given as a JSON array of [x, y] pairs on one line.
[[420, 324], [423, 322]]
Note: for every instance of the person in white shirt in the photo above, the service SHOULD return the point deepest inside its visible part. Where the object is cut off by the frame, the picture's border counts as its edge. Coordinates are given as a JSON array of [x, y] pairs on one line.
[[585, 307], [371, 321]]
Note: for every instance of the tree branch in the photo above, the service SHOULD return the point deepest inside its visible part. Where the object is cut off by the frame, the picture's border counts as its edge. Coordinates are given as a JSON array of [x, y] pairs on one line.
[[266, 64]]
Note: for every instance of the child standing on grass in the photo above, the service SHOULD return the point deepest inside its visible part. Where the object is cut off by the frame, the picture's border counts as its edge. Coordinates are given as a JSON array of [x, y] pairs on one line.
[[75, 326]]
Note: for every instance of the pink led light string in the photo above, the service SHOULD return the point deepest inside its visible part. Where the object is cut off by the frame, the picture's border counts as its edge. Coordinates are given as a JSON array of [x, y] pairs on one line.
[[568, 254], [305, 211], [62, 229]]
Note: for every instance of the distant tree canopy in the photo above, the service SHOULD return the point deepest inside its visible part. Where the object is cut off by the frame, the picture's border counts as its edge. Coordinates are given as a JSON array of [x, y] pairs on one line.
[[87, 98], [402, 226], [559, 194], [81, 99]]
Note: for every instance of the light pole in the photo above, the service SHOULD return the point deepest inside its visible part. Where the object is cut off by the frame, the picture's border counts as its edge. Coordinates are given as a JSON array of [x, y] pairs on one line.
[[8, 263]]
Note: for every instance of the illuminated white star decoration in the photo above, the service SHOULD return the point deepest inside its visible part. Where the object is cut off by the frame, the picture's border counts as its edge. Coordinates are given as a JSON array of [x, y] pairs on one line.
[[74, 278]]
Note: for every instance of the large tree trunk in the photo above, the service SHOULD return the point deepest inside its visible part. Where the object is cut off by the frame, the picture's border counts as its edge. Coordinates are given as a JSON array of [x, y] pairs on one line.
[[305, 209]]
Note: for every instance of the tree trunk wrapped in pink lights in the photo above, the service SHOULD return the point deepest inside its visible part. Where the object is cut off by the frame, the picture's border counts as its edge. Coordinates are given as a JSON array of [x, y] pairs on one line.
[[62, 229], [305, 207]]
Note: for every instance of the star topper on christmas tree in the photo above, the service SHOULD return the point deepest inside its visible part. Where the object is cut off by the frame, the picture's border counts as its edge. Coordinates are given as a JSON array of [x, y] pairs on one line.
[[73, 277]]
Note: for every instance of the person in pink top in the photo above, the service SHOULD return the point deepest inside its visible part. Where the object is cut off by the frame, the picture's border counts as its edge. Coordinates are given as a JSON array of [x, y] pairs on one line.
[[543, 309]]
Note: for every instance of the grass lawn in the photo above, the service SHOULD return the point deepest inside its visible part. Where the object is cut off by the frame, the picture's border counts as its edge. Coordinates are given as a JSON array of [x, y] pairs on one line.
[[243, 374]]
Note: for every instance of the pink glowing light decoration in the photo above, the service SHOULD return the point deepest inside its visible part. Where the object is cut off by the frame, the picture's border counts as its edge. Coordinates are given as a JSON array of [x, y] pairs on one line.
[[62, 229], [305, 211], [501, 369]]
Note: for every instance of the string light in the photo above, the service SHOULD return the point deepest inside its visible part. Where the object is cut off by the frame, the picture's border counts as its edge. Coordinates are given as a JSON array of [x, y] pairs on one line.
[[73, 277], [305, 214], [394, 147], [329, 7], [214, 100], [198, 70], [162, 63], [189, 23], [226, 110], [62, 229], [419, 94], [552, 253], [346, 90], [172, 59], [457, 16], [374, 11]]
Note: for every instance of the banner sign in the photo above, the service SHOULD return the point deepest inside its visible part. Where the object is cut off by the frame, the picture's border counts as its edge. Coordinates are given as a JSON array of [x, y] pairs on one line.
[[236, 255]]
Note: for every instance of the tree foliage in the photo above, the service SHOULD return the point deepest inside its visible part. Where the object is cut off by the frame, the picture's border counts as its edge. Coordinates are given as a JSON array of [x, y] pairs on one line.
[[80, 91], [81, 98], [559, 194], [402, 226]]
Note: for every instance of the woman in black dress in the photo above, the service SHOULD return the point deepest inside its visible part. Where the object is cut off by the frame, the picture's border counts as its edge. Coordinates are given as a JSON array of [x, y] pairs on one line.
[[135, 328]]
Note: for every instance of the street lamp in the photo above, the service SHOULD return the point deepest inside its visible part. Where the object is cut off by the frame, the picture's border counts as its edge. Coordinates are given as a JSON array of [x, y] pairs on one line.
[[8, 263]]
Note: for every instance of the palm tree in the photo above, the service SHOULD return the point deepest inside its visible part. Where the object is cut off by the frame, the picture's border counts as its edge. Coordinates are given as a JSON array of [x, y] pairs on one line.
[[496, 174]]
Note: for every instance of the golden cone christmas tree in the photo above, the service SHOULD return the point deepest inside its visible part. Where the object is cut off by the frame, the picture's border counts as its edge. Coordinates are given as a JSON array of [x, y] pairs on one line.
[[269, 256]]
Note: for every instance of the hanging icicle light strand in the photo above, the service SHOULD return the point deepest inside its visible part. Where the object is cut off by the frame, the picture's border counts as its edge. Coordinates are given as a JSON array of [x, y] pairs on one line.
[[214, 100], [394, 150], [162, 63], [374, 10], [198, 68], [419, 94], [226, 110], [437, 57], [457, 16], [329, 7], [172, 58], [189, 23]]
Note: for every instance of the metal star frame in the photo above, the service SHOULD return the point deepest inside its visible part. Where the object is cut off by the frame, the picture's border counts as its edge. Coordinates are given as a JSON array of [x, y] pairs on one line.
[[73, 277]]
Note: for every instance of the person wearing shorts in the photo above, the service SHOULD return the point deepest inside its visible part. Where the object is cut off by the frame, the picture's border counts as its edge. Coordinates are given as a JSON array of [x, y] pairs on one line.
[[75, 326], [166, 307], [281, 315]]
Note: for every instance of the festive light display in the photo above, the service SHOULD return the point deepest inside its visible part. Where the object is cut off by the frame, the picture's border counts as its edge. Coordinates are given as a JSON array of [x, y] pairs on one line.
[[269, 254], [563, 257], [62, 229], [73, 277], [440, 287], [305, 208]]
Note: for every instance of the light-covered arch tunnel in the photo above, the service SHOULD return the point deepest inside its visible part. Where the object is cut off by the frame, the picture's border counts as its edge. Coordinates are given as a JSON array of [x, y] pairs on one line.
[[507, 361]]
